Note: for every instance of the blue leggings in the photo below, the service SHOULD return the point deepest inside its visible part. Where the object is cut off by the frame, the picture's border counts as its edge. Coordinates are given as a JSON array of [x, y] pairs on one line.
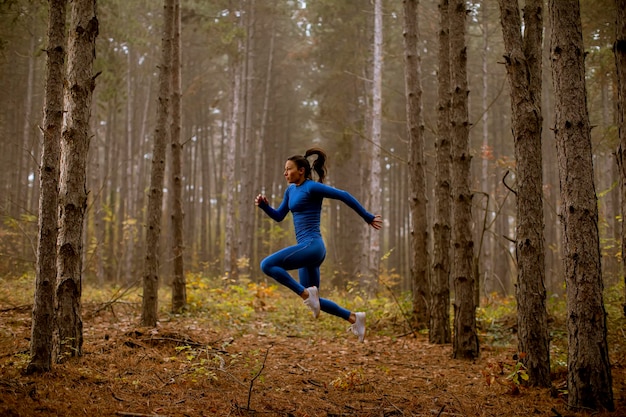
[[306, 257]]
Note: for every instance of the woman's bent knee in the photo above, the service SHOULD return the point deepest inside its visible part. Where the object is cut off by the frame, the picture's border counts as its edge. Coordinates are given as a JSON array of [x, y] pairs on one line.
[[266, 266]]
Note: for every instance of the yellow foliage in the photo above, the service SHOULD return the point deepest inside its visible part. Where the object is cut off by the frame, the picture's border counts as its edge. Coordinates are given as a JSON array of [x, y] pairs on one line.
[[350, 380]]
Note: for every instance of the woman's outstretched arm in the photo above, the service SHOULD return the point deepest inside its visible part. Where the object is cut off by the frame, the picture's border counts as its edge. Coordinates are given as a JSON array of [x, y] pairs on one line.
[[327, 191], [276, 214]]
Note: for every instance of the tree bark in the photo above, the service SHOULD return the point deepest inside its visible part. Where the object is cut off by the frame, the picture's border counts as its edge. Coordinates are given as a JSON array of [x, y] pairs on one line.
[[43, 308], [29, 142], [589, 372], [484, 264], [523, 64], [620, 62], [417, 172], [149, 315], [439, 326], [73, 192], [465, 344], [248, 148], [260, 173], [552, 231], [179, 293], [230, 230], [128, 254], [373, 246]]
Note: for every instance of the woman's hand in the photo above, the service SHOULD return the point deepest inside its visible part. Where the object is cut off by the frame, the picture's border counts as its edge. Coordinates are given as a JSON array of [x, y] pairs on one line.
[[260, 199], [377, 223]]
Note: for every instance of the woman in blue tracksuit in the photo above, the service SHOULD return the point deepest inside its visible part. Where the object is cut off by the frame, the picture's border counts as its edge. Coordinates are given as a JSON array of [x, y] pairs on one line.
[[303, 197]]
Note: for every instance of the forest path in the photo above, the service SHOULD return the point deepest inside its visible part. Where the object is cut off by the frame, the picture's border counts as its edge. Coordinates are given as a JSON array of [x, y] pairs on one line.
[[182, 369]]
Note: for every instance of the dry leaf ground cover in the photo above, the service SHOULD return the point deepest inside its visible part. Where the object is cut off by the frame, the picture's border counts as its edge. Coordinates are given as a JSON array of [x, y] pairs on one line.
[[254, 350]]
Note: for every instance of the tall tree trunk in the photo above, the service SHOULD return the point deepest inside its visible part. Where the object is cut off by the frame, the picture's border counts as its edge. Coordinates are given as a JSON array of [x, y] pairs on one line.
[[97, 208], [248, 149], [373, 249], [439, 326], [192, 202], [19, 188], [554, 264], [129, 241], [230, 230], [221, 182], [149, 314], [104, 234], [523, 63], [260, 173], [29, 142], [113, 184], [417, 173], [179, 293], [589, 371], [73, 192], [43, 308], [123, 183], [465, 344], [205, 206], [484, 264], [620, 61]]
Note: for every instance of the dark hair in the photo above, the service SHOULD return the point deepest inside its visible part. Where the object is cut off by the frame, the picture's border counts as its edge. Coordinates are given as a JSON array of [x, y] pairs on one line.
[[318, 165]]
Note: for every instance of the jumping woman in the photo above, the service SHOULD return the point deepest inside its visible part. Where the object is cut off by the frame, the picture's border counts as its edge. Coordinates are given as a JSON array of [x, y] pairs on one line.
[[303, 197]]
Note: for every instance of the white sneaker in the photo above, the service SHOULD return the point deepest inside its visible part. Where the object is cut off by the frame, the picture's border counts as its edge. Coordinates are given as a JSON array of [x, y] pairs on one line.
[[313, 302], [358, 327]]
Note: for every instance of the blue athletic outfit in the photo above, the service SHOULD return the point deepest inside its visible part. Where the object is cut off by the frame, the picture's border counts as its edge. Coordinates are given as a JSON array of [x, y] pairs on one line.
[[305, 203]]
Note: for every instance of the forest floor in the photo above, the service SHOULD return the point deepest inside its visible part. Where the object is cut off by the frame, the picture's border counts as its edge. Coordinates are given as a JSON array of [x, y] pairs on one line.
[[189, 366]]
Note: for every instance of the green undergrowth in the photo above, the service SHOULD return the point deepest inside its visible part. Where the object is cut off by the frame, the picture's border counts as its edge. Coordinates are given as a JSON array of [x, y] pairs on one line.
[[261, 306], [16, 292], [243, 306], [270, 309], [497, 324]]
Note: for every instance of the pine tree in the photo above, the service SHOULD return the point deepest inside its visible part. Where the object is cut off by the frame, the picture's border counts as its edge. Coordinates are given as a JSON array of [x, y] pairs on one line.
[[589, 370]]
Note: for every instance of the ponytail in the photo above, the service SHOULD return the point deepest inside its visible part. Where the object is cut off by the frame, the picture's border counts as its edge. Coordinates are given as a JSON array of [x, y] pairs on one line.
[[318, 165]]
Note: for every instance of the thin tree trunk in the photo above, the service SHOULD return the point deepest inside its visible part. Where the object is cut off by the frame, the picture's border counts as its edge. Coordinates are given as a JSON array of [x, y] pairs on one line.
[[73, 193], [122, 163], [113, 225], [523, 63], [179, 293], [260, 174], [142, 165], [28, 139], [149, 314], [220, 183], [417, 173], [230, 243], [20, 199], [248, 149], [465, 344], [373, 251], [554, 265], [191, 203], [620, 61], [106, 195], [43, 308], [129, 241], [484, 264], [98, 174], [589, 370], [205, 206], [439, 327]]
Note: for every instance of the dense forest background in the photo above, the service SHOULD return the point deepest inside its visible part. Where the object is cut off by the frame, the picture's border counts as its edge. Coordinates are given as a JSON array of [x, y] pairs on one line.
[[305, 81], [259, 81]]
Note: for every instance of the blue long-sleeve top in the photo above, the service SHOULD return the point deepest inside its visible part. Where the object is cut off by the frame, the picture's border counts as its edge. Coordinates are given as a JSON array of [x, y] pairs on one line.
[[305, 203]]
